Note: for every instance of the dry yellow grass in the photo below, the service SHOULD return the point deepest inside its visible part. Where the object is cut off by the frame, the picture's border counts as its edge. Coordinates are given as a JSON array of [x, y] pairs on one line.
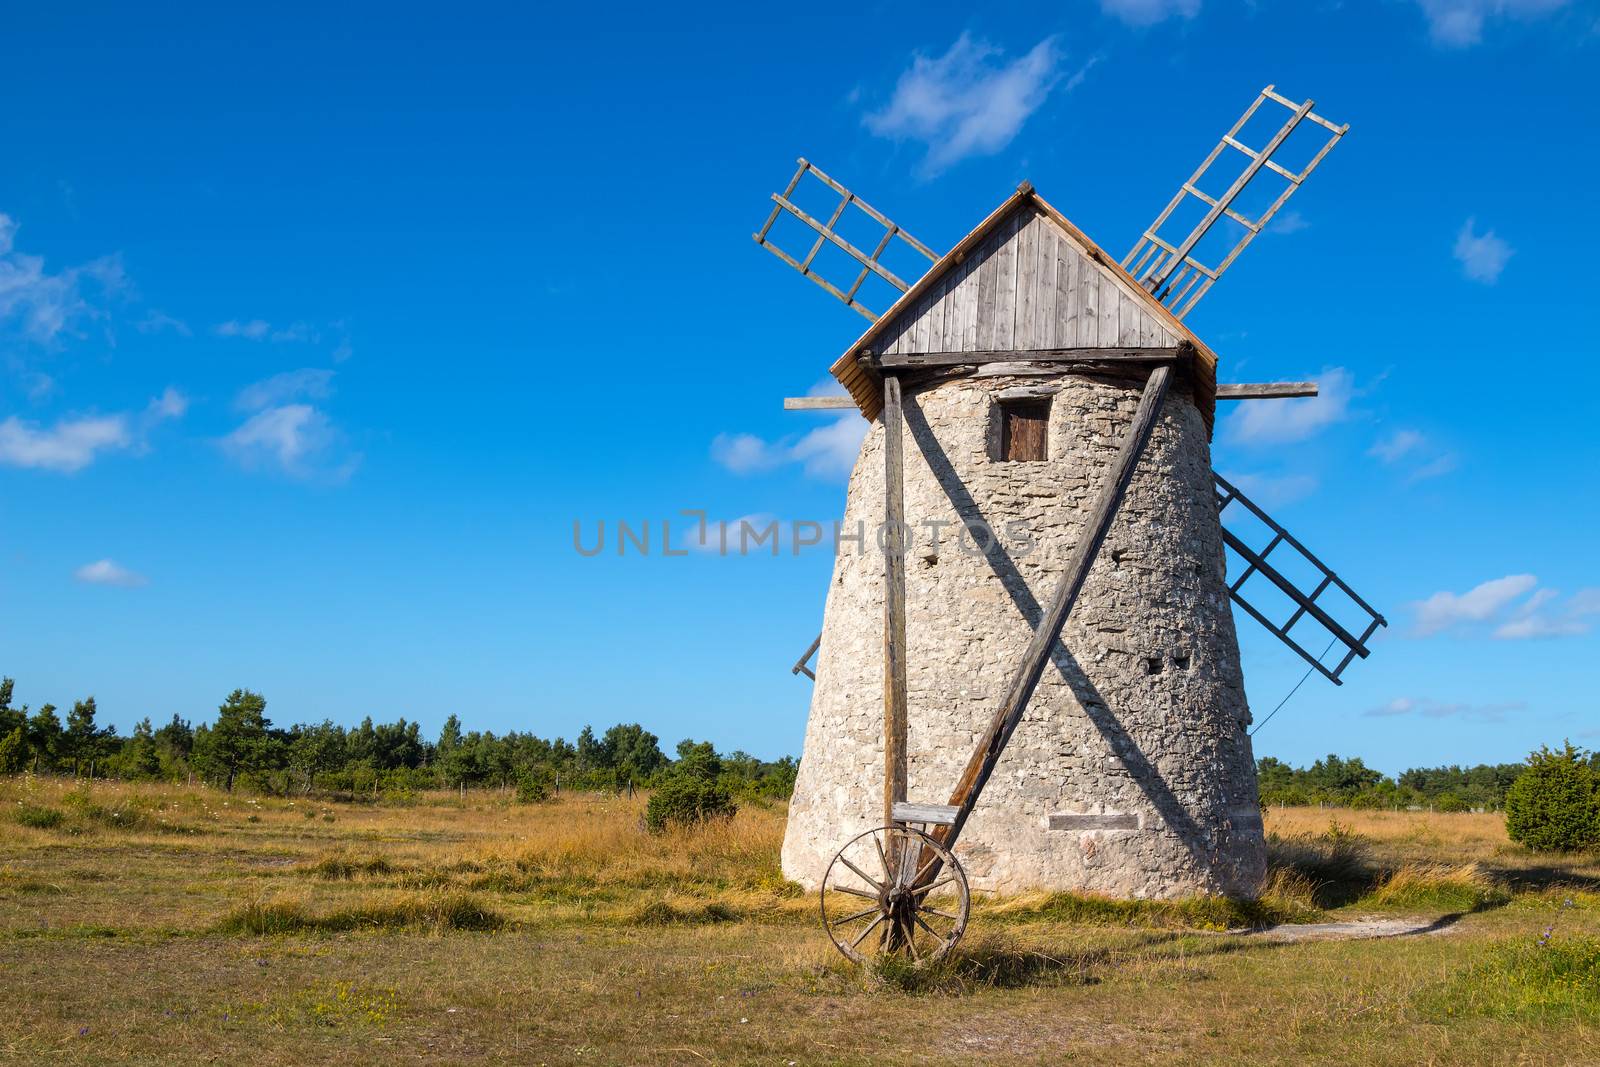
[[485, 931]]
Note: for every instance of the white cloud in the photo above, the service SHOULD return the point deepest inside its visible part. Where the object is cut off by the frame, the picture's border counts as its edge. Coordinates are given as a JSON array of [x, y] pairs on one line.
[[1149, 12], [1434, 709], [827, 451], [171, 404], [1460, 23], [252, 330], [1282, 421], [1289, 222], [1272, 491], [1482, 256], [1443, 610], [1398, 444], [108, 572], [160, 321], [1532, 620], [295, 439], [967, 102], [1434, 468], [69, 445], [281, 388], [42, 305]]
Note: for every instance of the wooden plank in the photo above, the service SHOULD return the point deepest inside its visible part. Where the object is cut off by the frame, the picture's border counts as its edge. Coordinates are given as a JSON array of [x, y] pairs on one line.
[[928, 814], [1066, 328], [1088, 304], [988, 281], [1005, 290], [1044, 325], [1115, 354], [818, 403], [987, 753], [1129, 322], [1027, 283], [969, 306], [894, 604], [800, 664], [1110, 309], [1265, 390]]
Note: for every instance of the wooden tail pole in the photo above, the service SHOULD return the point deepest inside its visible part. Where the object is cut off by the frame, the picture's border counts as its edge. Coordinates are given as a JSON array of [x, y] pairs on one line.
[[894, 603], [1029, 671]]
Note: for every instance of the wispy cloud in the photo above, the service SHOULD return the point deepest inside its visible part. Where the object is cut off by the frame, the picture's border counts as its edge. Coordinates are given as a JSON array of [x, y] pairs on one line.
[[66, 446], [827, 451], [1545, 614], [1149, 12], [1482, 602], [971, 101], [1483, 256], [160, 322], [1435, 709], [109, 572], [1274, 490], [1460, 23], [1267, 422], [1401, 443], [1288, 222], [294, 439], [71, 444], [290, 385], [250, 330], [1415, 454], [39, 305]]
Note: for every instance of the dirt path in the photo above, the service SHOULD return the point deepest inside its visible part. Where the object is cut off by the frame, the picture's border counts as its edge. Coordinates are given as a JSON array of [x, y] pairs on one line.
[[1353, 929]]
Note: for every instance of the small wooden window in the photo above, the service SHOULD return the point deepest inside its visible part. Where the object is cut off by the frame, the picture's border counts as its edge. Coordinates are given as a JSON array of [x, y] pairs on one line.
[[1022, 429]]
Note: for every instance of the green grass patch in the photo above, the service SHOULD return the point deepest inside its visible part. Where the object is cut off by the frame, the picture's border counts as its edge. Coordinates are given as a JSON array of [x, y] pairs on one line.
[[1546, 979], [661, 913], [342, 867], [1433, 888], [1195, 913], [37, 816], [437, 912]]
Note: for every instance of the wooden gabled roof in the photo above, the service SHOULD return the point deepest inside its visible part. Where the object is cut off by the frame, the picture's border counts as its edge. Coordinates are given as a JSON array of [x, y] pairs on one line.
[[952, 271]]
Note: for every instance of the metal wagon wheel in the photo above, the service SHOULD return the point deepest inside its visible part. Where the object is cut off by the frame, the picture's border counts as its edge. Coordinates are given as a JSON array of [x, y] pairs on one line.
[[894, 891]]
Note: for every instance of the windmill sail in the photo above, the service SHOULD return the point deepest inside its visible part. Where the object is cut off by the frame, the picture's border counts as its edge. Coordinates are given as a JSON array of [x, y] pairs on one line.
[[1167, 265], [871, 262], [1275, 579]]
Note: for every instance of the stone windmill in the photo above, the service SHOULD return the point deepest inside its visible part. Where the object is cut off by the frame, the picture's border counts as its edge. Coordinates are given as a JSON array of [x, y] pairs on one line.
[[1035, 548]]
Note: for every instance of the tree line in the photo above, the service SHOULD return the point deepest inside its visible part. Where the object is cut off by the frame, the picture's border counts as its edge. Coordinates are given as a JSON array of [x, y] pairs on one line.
[[242, 748], [1351, 783]]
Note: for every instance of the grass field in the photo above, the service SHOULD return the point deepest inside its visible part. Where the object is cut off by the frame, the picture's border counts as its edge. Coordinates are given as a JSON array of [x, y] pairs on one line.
[[146, 924]]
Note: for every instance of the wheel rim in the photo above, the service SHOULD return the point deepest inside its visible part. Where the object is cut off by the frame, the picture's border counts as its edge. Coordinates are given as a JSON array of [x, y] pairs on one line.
[[894, 891]]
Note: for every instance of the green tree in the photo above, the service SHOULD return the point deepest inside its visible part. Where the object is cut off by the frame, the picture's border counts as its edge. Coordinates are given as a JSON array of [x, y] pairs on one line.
[[84, 741], [237, 742], [316, 750], [1554, 805], [10, 718], [634, 751], [13, 751], [44, 737], [139, 758]]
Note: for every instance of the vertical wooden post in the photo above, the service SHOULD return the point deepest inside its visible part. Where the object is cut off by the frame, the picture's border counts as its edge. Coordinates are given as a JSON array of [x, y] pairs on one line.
[[895, 544]]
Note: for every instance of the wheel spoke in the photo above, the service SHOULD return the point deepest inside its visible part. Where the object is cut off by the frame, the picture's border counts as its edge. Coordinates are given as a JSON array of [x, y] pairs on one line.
[[860, 873], [858, 915], [888, 875], [942, 915], [937, 936], [837, 888], [930, 888], [862, 936]]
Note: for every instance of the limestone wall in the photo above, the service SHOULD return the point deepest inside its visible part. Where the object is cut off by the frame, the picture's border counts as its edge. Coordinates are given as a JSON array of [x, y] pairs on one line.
[[1142, 714]]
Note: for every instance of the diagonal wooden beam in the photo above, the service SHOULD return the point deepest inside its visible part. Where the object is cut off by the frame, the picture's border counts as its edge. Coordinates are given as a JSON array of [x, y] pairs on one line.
[[987, 753]]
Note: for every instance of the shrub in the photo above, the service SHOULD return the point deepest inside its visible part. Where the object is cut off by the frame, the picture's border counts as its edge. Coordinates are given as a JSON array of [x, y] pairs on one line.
[[1554, 805], [1451, 802], [532, 789], [38, 816], [687, 799], [13, 752]]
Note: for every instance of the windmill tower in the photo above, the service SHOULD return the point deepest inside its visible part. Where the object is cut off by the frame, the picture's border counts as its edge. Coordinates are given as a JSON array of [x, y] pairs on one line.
[[1031, 599]]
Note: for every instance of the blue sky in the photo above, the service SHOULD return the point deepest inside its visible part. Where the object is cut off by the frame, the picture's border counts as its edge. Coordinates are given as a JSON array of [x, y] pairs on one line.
[[319, 329]]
